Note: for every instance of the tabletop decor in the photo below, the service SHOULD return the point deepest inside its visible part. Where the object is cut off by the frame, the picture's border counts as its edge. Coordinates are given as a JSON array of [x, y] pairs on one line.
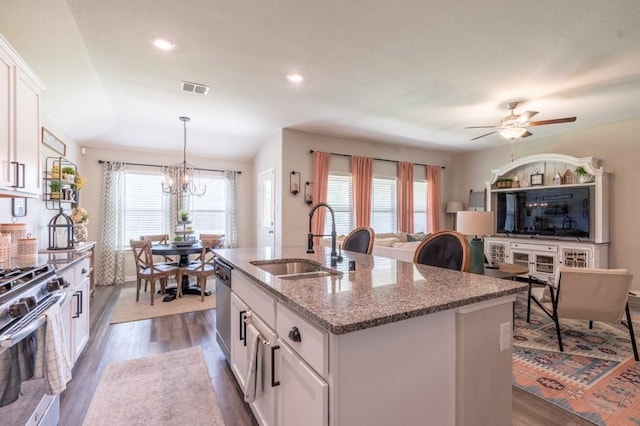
[[80, 218]]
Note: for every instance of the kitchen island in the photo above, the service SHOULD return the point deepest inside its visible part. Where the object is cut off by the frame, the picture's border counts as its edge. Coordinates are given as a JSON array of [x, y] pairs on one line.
[[390, 342]]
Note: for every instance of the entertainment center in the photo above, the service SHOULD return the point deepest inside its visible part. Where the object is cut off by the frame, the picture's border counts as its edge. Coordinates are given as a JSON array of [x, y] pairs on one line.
[[543, 219]]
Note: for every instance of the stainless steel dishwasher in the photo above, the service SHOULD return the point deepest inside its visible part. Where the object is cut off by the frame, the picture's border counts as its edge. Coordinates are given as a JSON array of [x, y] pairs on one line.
[[223, 306]]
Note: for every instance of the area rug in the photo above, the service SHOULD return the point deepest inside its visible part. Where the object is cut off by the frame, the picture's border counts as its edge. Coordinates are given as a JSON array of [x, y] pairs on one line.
[[595, 377], [172, 388], [127, 309]]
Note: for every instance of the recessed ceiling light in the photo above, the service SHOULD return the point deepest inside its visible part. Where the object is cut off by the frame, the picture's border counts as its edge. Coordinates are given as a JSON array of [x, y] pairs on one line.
[[163, 43], [295, 78]]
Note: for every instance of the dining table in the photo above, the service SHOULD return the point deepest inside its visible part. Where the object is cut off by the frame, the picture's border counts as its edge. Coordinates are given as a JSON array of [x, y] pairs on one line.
[[182, 250]]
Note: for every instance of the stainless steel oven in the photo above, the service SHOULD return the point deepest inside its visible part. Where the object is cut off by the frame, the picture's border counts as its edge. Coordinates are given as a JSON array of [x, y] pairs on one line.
[[26, 295], [223, 306]]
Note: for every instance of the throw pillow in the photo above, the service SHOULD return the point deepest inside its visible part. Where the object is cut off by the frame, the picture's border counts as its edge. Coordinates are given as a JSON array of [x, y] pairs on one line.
[[419, 236]]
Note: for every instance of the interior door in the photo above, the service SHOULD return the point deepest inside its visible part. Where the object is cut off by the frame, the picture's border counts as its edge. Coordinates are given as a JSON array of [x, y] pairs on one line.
[[266, 209]]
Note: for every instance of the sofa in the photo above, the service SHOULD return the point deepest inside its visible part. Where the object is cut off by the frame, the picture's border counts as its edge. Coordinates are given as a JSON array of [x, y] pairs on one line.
[[396, 245]]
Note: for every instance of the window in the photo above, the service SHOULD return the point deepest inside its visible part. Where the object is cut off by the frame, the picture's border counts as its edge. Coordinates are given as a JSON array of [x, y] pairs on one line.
[[145, 205], [420, 206], [340, 198], [208, 213], [384, 205]]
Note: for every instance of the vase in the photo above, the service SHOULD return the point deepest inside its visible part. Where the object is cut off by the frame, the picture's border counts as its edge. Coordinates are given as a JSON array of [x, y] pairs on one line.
[[80, 233]]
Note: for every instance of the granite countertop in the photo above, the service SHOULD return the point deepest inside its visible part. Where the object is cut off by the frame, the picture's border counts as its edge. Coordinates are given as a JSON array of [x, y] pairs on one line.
[[379, 291]]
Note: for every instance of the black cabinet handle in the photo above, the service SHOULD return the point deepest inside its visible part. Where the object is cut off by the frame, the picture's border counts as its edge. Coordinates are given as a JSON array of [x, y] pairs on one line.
[[21, 185], [77, 314], [16, 183], [274, 382], [241, 327], [294, 334], [80, 303]]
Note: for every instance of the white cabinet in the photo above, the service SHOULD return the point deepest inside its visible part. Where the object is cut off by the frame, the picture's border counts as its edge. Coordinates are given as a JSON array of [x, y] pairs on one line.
[[543, 257], [303, 395], [292, 392], [20, 93], [75, 310]]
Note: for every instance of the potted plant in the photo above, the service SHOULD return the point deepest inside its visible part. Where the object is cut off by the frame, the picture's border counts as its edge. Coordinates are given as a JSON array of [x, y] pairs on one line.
[[54, 187], [184, 215], [69, 174], [583, 176]]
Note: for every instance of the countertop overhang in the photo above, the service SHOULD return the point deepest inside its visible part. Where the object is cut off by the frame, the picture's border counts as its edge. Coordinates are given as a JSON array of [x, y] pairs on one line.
[[380, 290]]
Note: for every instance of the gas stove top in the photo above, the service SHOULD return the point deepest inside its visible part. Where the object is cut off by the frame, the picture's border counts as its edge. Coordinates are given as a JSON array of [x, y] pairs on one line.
[[23, 290]]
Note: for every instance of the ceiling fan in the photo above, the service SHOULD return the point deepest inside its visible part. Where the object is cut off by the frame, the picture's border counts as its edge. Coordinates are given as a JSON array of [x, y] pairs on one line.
[[515, 126]]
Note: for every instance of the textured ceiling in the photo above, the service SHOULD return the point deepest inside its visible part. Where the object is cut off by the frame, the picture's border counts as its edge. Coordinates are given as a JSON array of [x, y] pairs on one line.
[[411, 72]]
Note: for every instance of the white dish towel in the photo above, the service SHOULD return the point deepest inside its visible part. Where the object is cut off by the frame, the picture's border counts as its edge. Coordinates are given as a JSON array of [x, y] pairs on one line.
[[253, 381], [52, 361]]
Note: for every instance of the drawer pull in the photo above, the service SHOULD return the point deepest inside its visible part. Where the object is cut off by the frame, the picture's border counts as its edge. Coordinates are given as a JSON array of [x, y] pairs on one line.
[[294, 334], [274, 382]]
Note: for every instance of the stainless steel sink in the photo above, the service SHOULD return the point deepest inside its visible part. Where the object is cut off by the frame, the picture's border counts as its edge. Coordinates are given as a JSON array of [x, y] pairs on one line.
[[294, 269]]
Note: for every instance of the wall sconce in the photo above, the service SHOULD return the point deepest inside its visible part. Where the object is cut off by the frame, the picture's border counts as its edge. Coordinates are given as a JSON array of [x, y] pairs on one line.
[[60, 232], [294, 183], [308, 198]]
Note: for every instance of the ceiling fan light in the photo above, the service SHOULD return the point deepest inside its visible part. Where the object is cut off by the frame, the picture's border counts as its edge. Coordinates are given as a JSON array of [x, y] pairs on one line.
[[512, 132]]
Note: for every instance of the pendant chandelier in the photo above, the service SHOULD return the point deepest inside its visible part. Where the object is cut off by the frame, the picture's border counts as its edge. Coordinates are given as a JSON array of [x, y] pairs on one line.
[[183, 178]]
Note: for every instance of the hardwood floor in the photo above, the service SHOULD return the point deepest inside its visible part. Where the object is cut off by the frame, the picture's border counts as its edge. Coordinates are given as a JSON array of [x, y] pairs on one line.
[[121, 342]]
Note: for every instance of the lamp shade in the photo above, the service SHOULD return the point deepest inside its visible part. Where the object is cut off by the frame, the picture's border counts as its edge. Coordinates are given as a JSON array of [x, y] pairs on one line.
[[475, 223], [454, 206]]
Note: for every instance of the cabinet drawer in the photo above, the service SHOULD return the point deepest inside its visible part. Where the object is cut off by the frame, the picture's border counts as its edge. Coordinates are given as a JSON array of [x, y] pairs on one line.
[[83, 270], [313, 344], [259, 301], [536, 247]]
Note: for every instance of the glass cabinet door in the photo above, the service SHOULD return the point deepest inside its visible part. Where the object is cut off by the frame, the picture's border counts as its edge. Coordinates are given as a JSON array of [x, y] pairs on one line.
[[544, 264]]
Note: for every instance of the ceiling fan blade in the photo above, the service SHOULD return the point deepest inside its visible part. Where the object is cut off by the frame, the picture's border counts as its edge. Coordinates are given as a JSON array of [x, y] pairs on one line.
[[553, 121], [526, 134], [481, 127], [487, 134], [525, 116]]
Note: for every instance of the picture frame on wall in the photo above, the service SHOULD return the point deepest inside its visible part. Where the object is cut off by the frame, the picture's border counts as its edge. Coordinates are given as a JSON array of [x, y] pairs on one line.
[[536, 179], [19, 207], [48, 139]]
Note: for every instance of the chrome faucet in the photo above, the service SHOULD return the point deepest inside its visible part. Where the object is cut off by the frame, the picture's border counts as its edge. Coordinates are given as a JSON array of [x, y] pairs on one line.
[[334, 255]]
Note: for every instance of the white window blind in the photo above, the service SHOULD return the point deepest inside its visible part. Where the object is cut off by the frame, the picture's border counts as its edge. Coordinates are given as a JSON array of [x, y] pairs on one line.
[[420, 206], [207, 213], [384, 205], [340, 198], [145, 205]]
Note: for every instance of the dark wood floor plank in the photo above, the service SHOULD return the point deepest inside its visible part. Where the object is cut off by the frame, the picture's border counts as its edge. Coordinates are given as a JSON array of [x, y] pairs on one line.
[[120, 342]]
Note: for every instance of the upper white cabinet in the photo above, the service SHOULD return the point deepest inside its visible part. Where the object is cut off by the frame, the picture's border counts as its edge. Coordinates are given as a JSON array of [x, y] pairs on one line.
[[20, 91]]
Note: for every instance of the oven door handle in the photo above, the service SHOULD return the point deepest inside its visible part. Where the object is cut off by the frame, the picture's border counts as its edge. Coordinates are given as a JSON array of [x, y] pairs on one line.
[[10, 340]]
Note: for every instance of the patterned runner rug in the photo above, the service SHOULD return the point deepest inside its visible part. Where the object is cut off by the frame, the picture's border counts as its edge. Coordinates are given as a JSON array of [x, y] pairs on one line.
[[595, 377]]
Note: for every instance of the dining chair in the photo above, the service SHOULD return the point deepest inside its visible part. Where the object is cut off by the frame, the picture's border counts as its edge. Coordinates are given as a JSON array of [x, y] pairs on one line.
[[161, 239], [445, 249], [149, 271], [359, 240], [203, 268], [586, 294]]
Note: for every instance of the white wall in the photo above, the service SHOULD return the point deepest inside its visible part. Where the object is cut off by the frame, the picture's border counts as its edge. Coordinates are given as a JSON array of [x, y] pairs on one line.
[[615, 144], [296, 146]]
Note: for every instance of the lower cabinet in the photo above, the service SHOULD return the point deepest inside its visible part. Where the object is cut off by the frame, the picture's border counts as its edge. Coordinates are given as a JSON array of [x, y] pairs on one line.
[[292, 393], [543, 257], [303, 396], [75, 311]]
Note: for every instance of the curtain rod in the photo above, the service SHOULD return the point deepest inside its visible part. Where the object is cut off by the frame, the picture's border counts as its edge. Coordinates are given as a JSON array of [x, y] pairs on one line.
[[157, 165], [376, 159]]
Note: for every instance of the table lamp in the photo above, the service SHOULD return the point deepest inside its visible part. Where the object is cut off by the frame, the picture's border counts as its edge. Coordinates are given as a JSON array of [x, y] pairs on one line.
[[476, 224], [454, 207]]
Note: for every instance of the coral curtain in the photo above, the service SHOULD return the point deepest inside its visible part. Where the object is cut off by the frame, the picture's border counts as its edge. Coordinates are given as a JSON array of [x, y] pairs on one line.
[[405, 196], [320, 183], [111, 244], [362, 175], [433, 204]]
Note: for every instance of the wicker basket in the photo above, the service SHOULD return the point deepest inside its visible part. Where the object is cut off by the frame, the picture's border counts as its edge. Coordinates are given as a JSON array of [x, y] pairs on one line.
[[5, 248], [27, 247], [16, 231]]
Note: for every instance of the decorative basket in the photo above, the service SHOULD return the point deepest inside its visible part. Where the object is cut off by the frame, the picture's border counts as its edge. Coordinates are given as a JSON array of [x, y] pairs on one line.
[[5, 248], [27, 247]]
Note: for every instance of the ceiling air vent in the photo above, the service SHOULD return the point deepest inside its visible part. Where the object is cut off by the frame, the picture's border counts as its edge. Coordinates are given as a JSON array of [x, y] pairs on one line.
[[200, 89]]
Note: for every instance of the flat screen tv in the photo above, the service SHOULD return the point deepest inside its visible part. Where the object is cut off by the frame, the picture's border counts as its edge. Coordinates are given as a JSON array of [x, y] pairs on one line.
[[551, 212]]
